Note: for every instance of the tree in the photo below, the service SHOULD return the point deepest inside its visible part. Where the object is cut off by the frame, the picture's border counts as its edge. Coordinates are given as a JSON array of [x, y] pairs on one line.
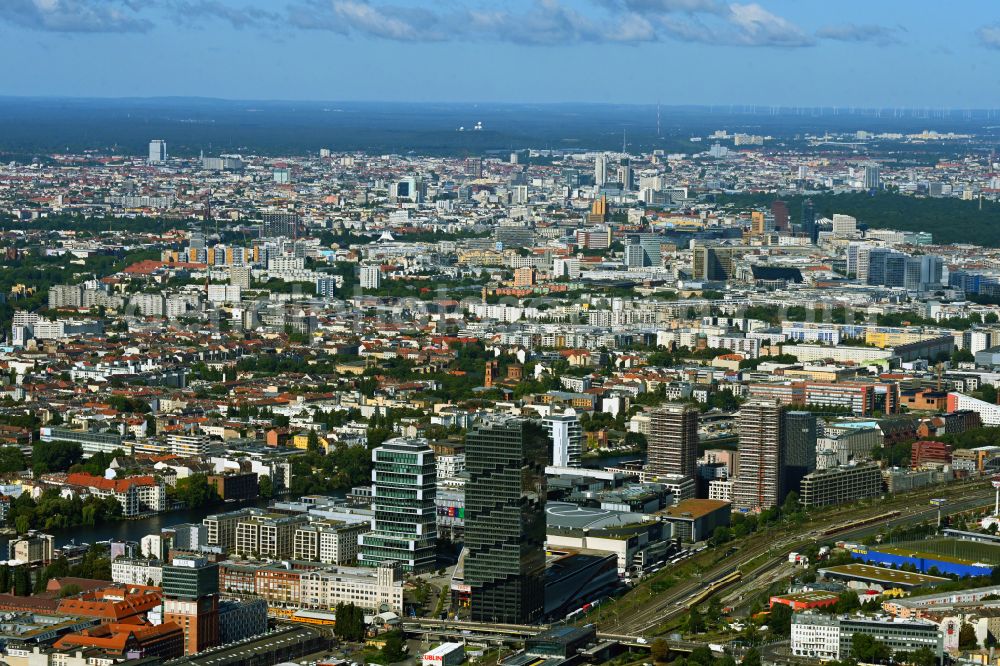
[[22, 581], [660, 651], [967, 637], [923, 656], [848, 602], [265, 487], [11, 460], [195, 492], [312, 442], [635, 440], [791, 503], [867, 649], [751, 658], [394, 648], [57, 456], [779, 620], [721, 534], [350, 624], [4, 578], [70, 590], [22, 524], [714, 613], [701, 656], [695, 622]]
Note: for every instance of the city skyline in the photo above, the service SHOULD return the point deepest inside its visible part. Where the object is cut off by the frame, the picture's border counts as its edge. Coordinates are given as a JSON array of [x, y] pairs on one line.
[[677, 52]]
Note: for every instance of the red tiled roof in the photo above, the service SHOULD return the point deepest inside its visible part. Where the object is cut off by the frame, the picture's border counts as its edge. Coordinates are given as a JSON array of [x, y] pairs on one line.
[[115, 485]]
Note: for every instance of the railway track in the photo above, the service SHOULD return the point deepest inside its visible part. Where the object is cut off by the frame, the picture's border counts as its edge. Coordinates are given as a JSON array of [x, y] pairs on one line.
[[701, 588]]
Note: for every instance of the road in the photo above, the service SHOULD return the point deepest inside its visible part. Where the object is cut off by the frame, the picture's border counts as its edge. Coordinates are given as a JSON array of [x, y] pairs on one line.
[[667, 606], [513, 633]]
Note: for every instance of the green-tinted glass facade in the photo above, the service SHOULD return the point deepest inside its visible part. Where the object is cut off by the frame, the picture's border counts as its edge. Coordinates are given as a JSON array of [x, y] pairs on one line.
[[190, 579], [404, 484], [505, 521]]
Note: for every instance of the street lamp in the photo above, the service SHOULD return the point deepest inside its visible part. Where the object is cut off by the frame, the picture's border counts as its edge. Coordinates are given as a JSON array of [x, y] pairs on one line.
[[940, 501]]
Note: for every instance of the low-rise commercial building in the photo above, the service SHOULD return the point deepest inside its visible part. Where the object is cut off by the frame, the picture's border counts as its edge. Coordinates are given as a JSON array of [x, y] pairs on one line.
[[302, 585], [840, 484], [828, 637], [696, 519]]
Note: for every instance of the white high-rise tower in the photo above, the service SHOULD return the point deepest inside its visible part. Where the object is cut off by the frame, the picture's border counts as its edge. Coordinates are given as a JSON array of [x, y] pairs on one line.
[[157, 151]]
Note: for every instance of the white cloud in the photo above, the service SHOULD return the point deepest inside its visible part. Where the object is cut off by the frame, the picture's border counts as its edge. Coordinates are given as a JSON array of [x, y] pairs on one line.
[[989, 36], [74, 15], [879, 35], [396, 23], [755, 26], [194, 11]]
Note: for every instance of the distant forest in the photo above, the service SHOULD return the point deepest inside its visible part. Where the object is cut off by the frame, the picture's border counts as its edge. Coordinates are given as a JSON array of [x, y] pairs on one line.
[[35, 127], [950, 220]]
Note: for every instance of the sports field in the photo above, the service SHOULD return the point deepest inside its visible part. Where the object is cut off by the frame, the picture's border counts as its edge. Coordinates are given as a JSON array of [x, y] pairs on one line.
[[961, 550]]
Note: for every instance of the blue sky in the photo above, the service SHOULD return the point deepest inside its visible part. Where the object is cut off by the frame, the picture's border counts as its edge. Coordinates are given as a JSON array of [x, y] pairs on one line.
[[805, 53]]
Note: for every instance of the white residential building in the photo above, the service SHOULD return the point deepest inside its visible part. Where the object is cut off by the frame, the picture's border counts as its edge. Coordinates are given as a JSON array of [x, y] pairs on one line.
[[130, 571], [329, 542], [567, 437], [371, 277]]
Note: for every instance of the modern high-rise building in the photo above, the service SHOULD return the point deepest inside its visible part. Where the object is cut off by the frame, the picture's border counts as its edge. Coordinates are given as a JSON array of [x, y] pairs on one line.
[[872, 178], [715, 262], [601, 170], [505, 521], [599, 214], [411, 189], [761, 223], [191, 599], [651, 246], [240, 276], [371, 277], [673, 441], [761, 428], [858, 260], [931, 270], [844, 226], [635, 256], [567, 436], [779, 210], [798, 450], [474, 167], [625, 174], [809, 227], [273, 225], [404, 486], [157, 151]]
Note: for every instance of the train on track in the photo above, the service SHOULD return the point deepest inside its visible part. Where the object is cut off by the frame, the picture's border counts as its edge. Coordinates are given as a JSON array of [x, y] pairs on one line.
[[713, 587], [861, 522]]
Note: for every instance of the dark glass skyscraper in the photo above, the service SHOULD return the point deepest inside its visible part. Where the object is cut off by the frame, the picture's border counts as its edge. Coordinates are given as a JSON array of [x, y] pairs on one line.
[[505, 520], [798, 450], [809, 227]]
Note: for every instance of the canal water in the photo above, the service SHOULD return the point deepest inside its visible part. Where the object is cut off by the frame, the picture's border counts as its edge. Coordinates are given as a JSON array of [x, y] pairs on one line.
[[133, 530], [612, 461]]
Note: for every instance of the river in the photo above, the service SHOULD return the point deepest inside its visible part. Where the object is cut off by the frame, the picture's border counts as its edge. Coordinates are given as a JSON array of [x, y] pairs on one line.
[[612, 461], [133, 530]]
